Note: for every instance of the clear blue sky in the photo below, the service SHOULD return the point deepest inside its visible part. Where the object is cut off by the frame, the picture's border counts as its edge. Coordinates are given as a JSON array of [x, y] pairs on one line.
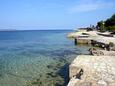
[[53, 14]]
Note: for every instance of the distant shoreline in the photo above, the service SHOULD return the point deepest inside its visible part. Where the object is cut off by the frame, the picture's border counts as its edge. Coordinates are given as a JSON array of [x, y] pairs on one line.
[[36, 30], [8, 30]]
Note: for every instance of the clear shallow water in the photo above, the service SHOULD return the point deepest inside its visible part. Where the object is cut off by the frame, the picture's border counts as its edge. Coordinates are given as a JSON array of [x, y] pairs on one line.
[[36, 58]]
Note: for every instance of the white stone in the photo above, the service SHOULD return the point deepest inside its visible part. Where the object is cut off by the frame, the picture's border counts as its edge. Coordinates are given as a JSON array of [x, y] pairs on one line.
[[102, 82]]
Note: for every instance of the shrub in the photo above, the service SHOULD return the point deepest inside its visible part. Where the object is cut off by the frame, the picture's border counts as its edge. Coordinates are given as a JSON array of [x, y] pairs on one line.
[[111, 44], [111, 28]]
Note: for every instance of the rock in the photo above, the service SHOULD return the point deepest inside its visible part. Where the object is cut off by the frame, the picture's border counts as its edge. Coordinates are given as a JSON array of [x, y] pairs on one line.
[[98, 70], [102, 83], [85, 84], [111, 84]]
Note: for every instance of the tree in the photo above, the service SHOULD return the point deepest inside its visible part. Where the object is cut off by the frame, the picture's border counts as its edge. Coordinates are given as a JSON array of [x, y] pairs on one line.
[[108, 25], [100, 25], [110, 21]]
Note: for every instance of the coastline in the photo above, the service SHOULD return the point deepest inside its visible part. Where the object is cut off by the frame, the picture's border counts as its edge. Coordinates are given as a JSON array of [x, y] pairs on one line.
[[30, 58], [84, 69]]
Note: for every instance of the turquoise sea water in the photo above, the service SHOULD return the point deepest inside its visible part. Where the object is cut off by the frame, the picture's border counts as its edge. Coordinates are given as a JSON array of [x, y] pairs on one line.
[[36, 58]]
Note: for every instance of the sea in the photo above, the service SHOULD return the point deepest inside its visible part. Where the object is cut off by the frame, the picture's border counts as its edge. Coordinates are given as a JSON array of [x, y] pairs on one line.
[[37, 57]]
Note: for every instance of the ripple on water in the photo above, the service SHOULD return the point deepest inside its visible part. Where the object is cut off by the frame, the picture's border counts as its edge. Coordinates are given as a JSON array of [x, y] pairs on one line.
[[32, 60]]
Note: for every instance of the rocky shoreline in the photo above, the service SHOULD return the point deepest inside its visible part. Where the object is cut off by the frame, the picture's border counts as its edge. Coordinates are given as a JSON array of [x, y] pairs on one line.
[[96, 69]]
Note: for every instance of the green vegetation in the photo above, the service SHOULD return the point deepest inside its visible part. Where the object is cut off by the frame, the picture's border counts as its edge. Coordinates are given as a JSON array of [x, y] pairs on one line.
[[111, 44], [108, 25], [101, 26], [110, 28], [110, 21]]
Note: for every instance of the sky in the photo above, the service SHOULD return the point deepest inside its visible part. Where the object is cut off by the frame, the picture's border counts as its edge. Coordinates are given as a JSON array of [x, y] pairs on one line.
[[53, 14]]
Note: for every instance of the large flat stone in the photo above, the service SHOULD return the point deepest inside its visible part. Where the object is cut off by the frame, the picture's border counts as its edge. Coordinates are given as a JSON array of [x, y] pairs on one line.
[[95, 69]]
